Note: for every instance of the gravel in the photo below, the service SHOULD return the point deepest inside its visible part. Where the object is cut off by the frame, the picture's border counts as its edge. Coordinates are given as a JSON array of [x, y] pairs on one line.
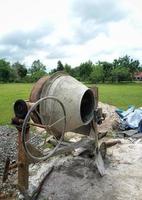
[[8, 145], [8, 148]]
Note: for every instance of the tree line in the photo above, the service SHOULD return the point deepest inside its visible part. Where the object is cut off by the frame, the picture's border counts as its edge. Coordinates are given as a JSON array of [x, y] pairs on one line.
[[18, 72], [121, 69]]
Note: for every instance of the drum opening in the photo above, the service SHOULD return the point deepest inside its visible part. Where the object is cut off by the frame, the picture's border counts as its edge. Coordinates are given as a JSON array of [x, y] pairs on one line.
[[87, 106]]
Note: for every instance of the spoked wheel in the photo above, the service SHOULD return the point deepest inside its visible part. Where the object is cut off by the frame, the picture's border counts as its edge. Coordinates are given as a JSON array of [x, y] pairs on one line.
[[52, 117]]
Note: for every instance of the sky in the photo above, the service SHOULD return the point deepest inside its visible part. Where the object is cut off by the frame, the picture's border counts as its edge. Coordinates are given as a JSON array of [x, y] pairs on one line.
[[73, 31]]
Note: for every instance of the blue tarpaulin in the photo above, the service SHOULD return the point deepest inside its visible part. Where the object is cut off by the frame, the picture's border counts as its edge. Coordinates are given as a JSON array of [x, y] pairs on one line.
[[131, 118]]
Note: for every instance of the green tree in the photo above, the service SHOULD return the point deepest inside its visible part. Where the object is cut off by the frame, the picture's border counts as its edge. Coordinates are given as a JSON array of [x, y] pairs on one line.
[[67, 68], [120, 74], [76, 73], [20, 70], [85, 70], [37, 70], [37, 75], [140, 68], [60, 66], [5, 71], [97, 74], [107, 68], [37, 66], [53, 71], [129, 63]]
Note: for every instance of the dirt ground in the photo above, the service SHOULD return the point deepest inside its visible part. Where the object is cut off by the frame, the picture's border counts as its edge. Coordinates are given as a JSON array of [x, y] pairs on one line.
[[76, 178]]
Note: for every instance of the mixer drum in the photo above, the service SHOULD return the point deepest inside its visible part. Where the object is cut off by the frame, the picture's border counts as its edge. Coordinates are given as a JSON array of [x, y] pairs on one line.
[[77, 99]]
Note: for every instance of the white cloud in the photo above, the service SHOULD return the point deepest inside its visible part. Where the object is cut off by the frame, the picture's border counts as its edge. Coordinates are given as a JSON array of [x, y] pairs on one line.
[[70, 30]]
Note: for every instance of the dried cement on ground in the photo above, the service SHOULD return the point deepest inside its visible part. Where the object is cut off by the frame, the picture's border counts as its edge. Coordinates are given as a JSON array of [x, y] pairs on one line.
[[77, 179]]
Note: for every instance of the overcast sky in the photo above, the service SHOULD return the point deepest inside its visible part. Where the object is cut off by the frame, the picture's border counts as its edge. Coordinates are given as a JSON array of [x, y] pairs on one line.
[[72, 31]]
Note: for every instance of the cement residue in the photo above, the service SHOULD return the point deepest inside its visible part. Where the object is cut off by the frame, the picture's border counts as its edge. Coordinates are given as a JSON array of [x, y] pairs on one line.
[[75, 178], [111, 116]]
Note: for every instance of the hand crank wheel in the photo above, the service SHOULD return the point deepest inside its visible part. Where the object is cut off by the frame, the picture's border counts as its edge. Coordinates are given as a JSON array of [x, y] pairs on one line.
[[50, 124]]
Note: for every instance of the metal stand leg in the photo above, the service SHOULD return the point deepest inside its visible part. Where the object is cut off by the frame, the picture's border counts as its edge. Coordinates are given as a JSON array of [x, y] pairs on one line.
[[98, 157], [23, 169]]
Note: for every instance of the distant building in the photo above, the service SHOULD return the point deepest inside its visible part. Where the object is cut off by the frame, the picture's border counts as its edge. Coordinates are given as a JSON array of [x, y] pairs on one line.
[[138, 76]]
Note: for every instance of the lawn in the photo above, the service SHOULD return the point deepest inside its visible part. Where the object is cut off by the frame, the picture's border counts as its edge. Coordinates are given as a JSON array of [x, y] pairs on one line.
[[120, 95], [9, 93]]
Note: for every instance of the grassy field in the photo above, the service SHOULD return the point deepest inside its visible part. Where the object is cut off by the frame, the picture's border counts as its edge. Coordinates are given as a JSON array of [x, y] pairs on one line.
[[120, 95], [9, 93]]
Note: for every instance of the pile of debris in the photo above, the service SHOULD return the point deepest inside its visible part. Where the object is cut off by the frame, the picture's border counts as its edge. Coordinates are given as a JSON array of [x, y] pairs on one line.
[[111, 116], [129, 123], [76, 177]]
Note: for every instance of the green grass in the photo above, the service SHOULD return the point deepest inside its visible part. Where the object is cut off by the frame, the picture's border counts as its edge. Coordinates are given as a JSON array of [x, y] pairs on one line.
[[9, 93], [120, 95]]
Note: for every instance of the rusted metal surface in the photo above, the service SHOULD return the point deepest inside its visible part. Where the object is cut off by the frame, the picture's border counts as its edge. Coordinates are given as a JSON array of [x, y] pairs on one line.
[[20, 107], [23, 168], [96, 95], [35, 96], [19, 122], [37, 89], [3, 196]]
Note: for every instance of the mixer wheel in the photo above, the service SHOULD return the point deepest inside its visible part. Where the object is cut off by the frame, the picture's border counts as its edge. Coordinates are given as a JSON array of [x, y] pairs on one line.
[[36, 141]]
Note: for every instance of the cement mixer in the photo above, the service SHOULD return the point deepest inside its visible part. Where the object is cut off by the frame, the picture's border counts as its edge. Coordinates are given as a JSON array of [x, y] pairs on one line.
[[57, 104]]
